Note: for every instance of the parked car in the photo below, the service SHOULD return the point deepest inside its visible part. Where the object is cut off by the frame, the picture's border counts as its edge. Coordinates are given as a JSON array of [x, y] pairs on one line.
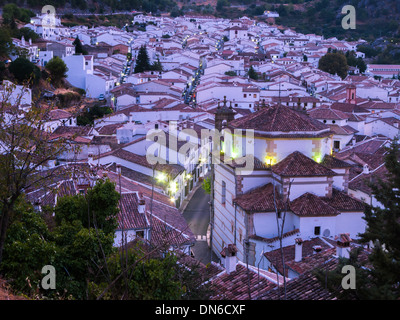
[[101, 97]]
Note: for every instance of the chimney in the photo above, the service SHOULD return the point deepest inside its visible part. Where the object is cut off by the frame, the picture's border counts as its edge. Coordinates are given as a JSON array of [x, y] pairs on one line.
[[343, 245], [298, 249], [118, 168], [141, 203], [90, 159], [229, 253], [316, 249], [365, 169]]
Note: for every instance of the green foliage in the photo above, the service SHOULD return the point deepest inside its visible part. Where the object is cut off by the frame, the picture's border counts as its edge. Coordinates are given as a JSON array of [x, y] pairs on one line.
[[12, 12], [95, 112], [207, 185], [28, 248], [77, 247], [23, 70], [378, 275], [252, 74], [142, 61], [383, 229], [25, 32], [231, 73], [332, 280], [355, 62], [148, 278], [334, 63], [6, 44], [57, 69], [78, 47]]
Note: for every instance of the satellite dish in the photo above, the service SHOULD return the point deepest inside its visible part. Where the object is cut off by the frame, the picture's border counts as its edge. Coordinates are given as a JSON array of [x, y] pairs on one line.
[[326, 233]]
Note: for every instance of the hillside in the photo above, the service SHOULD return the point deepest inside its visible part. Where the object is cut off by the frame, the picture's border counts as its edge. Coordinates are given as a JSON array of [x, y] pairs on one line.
[[374, 18]]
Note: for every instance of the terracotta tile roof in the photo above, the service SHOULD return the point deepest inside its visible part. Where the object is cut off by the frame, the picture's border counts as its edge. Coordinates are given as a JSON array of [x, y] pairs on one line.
[[273, 239], [327, 114], [58, 114], [236, 285], [374, 145], [166, 234], [298, 165], [280, 119], [362, 180], [275, 259], [310, 205], [129, 216], [240, 162], [171, 169], [348, 107], [334, 163], [110, 129], [343, 202], [260, 199], [342, 130]]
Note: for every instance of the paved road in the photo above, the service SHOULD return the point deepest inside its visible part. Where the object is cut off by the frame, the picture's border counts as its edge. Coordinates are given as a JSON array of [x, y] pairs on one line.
[[197, 215]]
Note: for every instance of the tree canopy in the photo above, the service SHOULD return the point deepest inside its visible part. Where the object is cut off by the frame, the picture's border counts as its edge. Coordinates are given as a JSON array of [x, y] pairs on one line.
[[334, 63], [57, 69], [23, 70]]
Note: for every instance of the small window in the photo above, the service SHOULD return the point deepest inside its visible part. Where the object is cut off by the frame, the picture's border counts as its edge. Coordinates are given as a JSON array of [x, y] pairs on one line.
[[333, 121], [336, 144], [254, 95], [245, 95], [317, 231], [140, 234]]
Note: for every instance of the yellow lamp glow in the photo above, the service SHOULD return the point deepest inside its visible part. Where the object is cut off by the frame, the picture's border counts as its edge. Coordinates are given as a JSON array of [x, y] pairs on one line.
[[173, 186], [161, 177]]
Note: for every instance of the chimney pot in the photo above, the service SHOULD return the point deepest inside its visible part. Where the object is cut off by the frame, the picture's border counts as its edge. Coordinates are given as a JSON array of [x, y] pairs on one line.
[[229, 253], [298, 247]]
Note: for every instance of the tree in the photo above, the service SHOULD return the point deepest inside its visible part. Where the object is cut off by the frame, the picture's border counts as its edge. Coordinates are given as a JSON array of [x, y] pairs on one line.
[[12, 12], [26, 149], [252, 74], [23, 70], [153, 278], [57, 69], [78, 47], [383, 229], [334, 63], [28, 248], [142, 61], [206, 185], [378, 275], [353, 61], [157, 66], [231, 73], [6, 44], [25, 32]]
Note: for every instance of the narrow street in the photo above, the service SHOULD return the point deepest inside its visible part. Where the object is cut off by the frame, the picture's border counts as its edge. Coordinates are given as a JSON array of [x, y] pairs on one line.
[[197, 215]]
